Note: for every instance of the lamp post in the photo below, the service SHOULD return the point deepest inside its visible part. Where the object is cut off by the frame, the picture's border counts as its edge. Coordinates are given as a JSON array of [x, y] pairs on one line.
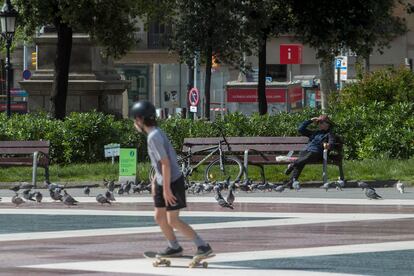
[[8, 19]]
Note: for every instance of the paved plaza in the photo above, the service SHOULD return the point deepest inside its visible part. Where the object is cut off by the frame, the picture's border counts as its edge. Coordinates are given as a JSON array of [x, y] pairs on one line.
[[310, 232]]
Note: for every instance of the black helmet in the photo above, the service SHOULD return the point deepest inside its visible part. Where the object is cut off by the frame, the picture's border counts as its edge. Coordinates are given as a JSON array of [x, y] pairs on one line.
[[144, 109]]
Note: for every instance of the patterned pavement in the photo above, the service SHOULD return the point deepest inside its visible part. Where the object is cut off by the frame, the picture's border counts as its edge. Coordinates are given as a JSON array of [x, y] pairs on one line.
[[306, 233]]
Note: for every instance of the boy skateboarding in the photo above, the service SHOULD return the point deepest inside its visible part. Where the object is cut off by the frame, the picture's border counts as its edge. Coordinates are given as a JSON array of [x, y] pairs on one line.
[[168, 189]]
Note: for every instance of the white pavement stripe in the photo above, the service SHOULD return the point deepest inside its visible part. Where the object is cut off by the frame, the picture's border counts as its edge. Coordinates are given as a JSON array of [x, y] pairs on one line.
[[284, 219], [264, 200], [144, 266]]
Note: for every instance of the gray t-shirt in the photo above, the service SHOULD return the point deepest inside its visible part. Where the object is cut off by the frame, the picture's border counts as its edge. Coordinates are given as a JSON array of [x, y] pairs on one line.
[[160, 147]]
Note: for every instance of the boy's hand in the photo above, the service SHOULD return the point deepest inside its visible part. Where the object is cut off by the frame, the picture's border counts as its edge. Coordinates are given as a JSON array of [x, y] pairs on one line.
[[169, 198], [315, 119]]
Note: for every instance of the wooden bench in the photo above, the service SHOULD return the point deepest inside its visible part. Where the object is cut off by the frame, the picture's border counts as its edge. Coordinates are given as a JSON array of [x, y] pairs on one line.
[[260, 151], [26, 153]]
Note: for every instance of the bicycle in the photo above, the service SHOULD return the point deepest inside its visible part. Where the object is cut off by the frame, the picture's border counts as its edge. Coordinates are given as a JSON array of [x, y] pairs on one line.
[[216, 170]]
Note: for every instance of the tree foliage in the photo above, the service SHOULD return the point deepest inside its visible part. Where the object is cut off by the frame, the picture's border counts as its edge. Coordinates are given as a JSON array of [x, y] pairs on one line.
[[109, 23]]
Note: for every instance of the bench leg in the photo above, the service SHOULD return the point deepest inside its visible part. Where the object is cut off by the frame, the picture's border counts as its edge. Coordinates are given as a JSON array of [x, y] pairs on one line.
[[246, 164], [325, 166], [341, 172], [34, 170], [47, 174]]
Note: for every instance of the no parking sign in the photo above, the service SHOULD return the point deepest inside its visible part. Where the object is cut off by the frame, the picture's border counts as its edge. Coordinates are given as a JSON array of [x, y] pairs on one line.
[[194, 99]]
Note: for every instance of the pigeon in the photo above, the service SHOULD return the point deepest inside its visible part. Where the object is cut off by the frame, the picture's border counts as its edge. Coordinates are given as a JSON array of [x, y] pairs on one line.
[[199, 188], [208, 187], [340, 183], [137, 188], [110, 185], [296, 185], [55, 194], [371, 193], [364, 185], [102, 199], [280, 188], [39, 197], [87, 190], [110, 196], [261, 187], [15, 188], [17, 200], [26, 186], [222, 202], [230, 197], [52, 186], [400, 186], [127, 186], [28, 195], [68, 200], [328, 185], [120, 191]]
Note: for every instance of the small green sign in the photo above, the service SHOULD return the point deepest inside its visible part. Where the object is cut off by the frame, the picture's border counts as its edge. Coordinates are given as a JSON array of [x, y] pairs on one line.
[[128, 162]]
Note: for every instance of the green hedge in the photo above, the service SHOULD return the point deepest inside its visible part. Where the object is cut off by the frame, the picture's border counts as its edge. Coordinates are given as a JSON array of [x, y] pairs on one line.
[[375, 130]]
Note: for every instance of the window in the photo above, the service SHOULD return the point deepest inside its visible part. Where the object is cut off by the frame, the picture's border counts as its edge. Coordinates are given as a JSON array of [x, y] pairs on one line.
[[278, 72]]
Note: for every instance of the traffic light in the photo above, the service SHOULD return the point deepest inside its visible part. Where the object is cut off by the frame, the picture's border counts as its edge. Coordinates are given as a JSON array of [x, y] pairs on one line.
[[215, 63], [34, 59]]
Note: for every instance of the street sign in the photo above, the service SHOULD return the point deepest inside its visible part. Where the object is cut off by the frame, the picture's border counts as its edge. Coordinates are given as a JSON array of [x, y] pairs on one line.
[[27, 74], [290, 53], [338, 62], [341, 63], [194, 96], [193, 108], [111, 150], [128, 164]]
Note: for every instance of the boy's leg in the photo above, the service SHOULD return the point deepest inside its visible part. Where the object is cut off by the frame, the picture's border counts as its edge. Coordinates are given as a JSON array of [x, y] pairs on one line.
[[160, 216], [161, 219], [203, 248]]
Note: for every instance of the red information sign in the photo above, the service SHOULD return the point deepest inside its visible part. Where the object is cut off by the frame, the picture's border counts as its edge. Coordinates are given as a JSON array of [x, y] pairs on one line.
[[290, 53], [194, 96]]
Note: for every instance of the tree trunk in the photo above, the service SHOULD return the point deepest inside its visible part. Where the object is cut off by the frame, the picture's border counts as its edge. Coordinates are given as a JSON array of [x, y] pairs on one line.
[[62, 61], [326, 72], [367, 64], [207, 82], [261, 86]]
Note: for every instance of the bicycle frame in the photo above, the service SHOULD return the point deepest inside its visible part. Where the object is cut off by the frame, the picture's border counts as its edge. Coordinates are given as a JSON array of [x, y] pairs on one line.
[[187, 158]]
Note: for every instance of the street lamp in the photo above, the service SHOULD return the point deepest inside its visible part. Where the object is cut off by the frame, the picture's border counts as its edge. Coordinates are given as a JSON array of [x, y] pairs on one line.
[[8, 19]]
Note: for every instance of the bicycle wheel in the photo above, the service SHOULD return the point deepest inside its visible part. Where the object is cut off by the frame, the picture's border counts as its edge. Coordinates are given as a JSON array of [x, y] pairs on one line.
[[233, 168]]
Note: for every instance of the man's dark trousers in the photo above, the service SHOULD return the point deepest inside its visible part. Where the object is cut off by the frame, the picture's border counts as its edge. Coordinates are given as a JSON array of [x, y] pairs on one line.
[[305, 157]]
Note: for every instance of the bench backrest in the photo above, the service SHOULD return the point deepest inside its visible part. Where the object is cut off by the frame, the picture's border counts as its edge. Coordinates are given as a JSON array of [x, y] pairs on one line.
[[24, 147], [240, 144]]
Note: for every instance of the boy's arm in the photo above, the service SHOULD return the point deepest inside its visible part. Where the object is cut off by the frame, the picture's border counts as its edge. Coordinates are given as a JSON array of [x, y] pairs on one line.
[[166, 181]]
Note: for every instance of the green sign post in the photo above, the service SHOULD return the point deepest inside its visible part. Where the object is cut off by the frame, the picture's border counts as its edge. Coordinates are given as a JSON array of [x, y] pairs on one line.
[[128, 164]]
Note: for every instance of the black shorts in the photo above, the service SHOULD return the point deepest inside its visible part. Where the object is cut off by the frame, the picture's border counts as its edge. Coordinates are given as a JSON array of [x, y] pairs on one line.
[[178, 190]]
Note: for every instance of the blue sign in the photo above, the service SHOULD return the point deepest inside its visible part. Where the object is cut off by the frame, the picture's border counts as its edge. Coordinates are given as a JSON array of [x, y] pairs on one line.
[[27, 74], [338, 63]]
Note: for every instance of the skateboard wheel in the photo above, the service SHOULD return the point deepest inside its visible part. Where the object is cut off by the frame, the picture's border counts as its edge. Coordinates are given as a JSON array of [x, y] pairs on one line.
[[205, 264], [167, 263]]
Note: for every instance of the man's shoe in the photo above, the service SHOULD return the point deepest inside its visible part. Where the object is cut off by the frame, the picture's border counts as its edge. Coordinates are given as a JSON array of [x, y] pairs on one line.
[[170, 252], [203, 251], [289, 169]]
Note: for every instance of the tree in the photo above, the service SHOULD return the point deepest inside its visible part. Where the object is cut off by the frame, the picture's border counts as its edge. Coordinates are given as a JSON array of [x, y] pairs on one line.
[[329, 26], [208, 28], [264, 19], [108, 22]]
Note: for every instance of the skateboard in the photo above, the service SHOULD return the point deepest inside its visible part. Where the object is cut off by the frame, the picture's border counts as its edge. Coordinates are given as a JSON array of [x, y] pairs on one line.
[[166, 261]]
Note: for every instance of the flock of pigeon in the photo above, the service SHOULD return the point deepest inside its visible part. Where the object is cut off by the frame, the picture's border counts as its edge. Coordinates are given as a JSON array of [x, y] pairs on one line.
[[58, 193]]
